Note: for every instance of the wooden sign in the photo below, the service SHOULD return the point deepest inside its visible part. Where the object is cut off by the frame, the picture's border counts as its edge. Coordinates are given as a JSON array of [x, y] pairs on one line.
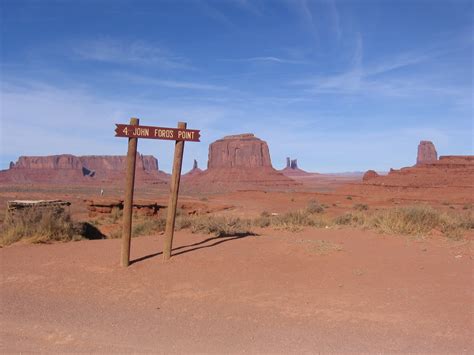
[[172, 134], [133, 131]]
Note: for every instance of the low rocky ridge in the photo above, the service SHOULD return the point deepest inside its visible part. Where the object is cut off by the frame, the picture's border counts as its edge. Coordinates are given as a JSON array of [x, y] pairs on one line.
[[448, 179], [106, 206]]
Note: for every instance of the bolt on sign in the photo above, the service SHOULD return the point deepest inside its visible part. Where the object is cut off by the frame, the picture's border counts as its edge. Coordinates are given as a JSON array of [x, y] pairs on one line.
[[133, 131]]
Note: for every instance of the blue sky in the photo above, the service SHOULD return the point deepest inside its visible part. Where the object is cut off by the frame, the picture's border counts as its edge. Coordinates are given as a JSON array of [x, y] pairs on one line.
[[340, 85]]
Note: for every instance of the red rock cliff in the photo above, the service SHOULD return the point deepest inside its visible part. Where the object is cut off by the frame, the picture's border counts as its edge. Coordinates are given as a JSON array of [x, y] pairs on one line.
[[117, 162], [91, 162], [243, 150], [65, 161]]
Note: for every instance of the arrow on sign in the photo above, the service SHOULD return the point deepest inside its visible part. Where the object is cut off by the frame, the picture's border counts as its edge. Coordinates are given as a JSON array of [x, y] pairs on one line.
[[151, 132]]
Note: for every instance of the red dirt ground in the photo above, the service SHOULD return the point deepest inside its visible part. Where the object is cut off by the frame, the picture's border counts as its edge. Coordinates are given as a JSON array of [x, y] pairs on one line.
[[329, 290]]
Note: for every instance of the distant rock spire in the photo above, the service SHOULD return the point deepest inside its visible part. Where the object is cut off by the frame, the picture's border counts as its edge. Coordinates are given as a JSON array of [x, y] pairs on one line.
[[288, 163], [294, 164], [195, 164], [426, 153]]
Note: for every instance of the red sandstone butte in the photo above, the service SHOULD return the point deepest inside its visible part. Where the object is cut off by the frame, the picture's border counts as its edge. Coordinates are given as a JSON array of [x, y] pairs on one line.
[[426, 153], [242, 150], [369, 175], [67, 168], [239, 162]]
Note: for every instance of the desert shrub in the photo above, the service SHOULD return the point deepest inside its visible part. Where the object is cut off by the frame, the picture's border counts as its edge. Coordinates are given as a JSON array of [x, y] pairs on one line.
[[466, 221], [360, 207], [293, 218], [453, 226], [38, 225], [351, 219], [314, 207], [349, 198], [344, 219], [415, 220], [115, 234], [148, 226], [263, 221], [182, 222], [220, 226], [116, 214]]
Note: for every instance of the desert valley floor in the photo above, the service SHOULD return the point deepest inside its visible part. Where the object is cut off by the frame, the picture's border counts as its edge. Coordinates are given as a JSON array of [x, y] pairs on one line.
[[277, 292]]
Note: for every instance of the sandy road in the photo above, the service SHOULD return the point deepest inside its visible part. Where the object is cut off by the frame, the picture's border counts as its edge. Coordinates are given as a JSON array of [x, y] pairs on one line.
[[279, 292]]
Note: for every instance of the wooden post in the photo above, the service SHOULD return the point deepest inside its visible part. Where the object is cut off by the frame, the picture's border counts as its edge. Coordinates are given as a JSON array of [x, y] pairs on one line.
[[128, 203], [173, 200]]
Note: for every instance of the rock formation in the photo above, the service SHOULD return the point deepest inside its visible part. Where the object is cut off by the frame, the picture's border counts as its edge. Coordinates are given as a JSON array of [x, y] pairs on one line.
[[292, 169], [242, 150], [426, 153], [70, 168], [448, 179], [369, 175], [239, 162], [90, 162], [194, 171], [64, 161]]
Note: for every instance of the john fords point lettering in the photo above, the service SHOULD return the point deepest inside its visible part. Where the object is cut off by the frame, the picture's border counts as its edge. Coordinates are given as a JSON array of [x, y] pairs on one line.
[[175, 134]]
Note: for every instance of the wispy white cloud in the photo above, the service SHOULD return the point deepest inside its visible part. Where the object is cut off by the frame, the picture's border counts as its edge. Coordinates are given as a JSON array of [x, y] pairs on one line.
[[214, 13], [252, 6], [372, 79], [335, 18], [269, 59], [303, 10], [127, 51], [174, 84]]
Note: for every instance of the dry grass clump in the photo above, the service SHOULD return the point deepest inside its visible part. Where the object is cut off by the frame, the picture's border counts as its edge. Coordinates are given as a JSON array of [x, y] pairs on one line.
[[293, 220], [453, 226], [147, 226], [220, 226], [38, 225], [415, 220], [116, 214], [314, 207], [412, 220], [356, 219], [360, 207]]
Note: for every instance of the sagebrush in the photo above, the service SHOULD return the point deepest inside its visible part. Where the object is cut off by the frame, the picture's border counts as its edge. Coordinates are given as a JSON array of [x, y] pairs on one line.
[[38, 225]]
